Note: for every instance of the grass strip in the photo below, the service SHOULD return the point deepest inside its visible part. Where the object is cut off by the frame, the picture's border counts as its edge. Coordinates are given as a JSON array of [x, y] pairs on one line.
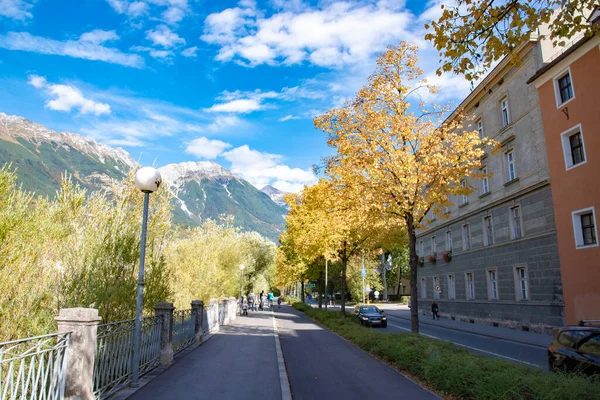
[[453, 371]]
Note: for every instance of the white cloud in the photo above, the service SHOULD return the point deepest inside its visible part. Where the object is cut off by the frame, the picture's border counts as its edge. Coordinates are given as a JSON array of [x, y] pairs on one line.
[[248, 101], [154, 53], [205, 148], [172, 11], [237, 106], [68, 97], [98, 36], [15, 9], [173, 15], [190, 52], [261, 169], [163, 36], [334, 35], [81, 48], [287, 118]]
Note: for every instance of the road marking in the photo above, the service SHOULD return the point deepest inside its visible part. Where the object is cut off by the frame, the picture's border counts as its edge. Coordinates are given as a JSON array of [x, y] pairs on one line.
[[468, 347], [286, 393]]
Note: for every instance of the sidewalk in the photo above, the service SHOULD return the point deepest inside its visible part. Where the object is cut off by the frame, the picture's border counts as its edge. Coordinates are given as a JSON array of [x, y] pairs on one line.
[[239, 362]]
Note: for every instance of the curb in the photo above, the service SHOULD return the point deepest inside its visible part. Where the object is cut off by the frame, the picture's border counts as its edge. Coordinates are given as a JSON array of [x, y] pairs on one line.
[[286, 393], [473, 333]]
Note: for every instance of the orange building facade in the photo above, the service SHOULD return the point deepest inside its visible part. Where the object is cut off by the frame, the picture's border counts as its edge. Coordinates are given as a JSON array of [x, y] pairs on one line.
[[569, 93]]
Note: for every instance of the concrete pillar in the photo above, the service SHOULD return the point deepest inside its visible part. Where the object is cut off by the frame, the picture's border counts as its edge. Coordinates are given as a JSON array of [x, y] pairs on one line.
[[226, 309], [197, 309], [81, 353], [214, 303], [234, 304], [165, 309]]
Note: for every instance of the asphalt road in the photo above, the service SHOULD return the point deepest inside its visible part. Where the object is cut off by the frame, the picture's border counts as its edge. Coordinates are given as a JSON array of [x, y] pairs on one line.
[[499, 348], [320, 365]]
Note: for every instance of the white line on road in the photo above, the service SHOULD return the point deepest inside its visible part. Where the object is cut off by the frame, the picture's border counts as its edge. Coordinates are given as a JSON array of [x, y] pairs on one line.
[[286, 393], [468, 347]]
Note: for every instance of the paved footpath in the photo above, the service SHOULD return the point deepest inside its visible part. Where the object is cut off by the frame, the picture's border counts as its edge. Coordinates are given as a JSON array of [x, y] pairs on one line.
[[239, 362], [243, 361], [321, 365]]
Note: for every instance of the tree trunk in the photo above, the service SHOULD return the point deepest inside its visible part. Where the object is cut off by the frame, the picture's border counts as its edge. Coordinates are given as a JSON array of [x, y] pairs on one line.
[[302, 290], [384, 277], [412, 248], [343, 288], [399, 280]]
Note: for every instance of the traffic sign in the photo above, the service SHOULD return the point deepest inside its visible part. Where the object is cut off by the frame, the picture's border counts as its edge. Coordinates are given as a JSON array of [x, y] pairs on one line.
[[310, 285], [363, 273], [438, 289], [376, 293]]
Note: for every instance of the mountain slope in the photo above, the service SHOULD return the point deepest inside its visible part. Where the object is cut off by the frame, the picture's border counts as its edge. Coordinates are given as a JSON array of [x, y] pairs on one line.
[[41, 155], [205, 189], [276, 195]]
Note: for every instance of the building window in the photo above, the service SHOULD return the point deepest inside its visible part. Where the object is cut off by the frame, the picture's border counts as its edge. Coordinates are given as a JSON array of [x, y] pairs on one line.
[[423, 288], [584, 226], [504, 112], [433, 245], [485, 182], [488, 231], [573, 147], [515, 223], [564, 88], [480, 128], [521, 283], [449, 240], [492, 284], [577, 154], [511, 172], [421, 250], [466, 237], [451, 287], [464, 199], [470, 286], [436, 288]]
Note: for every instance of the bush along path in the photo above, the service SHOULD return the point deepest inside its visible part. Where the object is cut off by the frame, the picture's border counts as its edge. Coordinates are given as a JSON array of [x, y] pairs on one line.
[[452, 371]]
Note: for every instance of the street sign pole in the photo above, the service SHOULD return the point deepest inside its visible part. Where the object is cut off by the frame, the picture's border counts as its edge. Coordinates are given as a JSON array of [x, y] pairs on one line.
[[326, 292]]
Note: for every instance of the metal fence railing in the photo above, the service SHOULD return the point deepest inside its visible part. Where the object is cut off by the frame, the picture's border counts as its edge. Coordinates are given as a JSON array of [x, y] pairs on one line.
[[183, 329], [114, 353], [34, 368]]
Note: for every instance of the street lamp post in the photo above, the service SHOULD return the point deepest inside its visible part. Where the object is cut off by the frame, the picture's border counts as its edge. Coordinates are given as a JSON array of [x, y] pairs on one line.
[[241, 278], [326, 293], [147, 180]]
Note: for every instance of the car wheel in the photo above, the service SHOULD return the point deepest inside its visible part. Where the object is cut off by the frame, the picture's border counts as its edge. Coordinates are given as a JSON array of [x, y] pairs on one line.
[[360, 321], [384, 325]]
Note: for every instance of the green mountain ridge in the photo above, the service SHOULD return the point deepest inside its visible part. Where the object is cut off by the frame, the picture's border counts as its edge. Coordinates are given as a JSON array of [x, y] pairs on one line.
[[201, 190]]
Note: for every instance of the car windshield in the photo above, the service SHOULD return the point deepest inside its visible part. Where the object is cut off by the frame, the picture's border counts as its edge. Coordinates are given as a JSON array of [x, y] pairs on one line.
[[368, 309]]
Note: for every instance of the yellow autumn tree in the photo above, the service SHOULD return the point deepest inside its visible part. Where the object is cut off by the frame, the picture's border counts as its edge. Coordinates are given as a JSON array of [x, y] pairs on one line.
[[328, 220], [472, 34], [405, 158]]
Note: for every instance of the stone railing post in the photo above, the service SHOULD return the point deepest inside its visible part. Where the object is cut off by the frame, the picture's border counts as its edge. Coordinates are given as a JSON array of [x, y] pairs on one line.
[[197, 310], [214, 304], [165, 309], [81, 353], [226, 309], [234, 304]]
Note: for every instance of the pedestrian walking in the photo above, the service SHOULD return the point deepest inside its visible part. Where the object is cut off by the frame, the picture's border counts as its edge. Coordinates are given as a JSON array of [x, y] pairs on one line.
[[279, 302], [434, 310]]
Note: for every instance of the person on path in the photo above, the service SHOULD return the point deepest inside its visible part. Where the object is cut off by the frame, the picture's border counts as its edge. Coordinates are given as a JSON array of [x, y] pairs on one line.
[[251, 301], [434, 310], [261, 300], [279, 302]]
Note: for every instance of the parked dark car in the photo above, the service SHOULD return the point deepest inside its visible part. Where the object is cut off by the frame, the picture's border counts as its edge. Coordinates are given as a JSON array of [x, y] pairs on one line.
[[576, 349], [370, 316]]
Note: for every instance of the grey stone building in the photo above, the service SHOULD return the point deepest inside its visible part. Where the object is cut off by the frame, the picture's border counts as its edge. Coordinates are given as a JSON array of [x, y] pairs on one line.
[[496, 249]]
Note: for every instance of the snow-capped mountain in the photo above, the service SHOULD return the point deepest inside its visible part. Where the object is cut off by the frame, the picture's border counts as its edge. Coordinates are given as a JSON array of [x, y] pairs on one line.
[[276, 195], [205, 189], [201, 190], [40, 155]]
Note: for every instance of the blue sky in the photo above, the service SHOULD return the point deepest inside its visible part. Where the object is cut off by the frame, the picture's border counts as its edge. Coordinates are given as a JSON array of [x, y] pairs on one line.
[[236, 82]]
